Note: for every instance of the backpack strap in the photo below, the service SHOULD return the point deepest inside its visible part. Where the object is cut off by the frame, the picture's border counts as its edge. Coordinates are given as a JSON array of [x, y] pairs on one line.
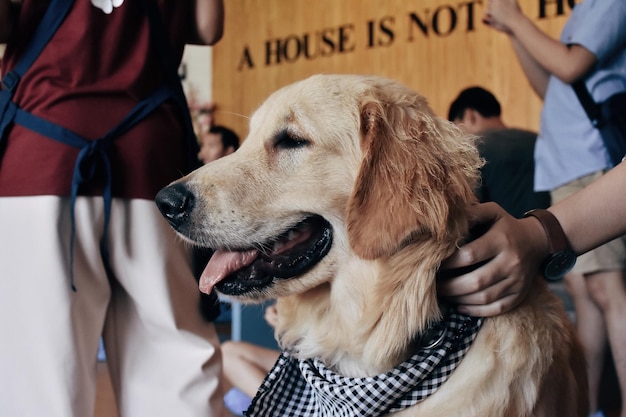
[[591, 107]]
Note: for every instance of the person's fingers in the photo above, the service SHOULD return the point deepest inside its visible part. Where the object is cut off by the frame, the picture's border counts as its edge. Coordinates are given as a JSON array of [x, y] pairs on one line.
[[487, 246], [462, 257], [493, 277], [498, 307], [484, 213], [484, 293], [487, 19], [475, 252], [487, 291], [478, 294], [467, 284]]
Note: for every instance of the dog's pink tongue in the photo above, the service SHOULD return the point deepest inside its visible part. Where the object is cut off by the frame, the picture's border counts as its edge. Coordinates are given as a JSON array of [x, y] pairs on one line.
[[223, 263]]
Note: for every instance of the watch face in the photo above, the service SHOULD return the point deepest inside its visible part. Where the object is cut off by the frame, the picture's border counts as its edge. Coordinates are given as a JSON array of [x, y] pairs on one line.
[[559, 264]]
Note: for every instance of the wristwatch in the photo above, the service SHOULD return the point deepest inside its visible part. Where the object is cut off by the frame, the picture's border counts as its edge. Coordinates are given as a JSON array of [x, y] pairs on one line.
[[562, 258]]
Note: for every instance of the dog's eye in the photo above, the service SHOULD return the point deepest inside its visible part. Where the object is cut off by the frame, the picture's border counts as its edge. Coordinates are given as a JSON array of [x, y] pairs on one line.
[[285, 140]]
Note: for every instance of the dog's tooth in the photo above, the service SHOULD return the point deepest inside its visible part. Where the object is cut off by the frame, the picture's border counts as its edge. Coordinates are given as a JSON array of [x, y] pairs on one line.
[[278, 246]]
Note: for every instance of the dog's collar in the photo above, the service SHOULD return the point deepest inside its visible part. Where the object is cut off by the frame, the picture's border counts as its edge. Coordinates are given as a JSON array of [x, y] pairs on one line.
[[308, 388], [434, 334]]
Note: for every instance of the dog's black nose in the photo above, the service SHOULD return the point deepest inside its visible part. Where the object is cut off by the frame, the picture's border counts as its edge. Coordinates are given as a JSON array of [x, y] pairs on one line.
[[175, 203]]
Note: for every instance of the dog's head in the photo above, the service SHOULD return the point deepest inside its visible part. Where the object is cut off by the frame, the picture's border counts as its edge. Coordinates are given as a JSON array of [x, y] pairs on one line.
[[334, 166]]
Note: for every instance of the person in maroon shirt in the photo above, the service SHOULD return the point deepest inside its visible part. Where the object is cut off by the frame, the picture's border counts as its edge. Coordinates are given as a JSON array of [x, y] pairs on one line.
[[60, 289]]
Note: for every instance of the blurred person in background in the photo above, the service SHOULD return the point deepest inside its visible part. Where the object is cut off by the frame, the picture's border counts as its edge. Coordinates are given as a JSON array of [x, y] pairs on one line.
[[93, 123]]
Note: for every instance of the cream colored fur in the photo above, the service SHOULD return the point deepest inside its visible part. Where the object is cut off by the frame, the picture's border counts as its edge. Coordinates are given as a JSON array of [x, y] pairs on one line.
[[394, 182]]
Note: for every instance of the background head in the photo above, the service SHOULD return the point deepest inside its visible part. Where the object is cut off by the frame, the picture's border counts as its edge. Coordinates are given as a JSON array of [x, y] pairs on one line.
[[475, 109], [216, 143]]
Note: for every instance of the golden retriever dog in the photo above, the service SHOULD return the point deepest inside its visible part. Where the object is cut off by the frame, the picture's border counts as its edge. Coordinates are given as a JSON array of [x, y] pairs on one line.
[[342, 202]]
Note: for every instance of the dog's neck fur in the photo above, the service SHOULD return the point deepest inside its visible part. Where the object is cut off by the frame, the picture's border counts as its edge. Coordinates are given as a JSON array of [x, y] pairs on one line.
[[350, 329]]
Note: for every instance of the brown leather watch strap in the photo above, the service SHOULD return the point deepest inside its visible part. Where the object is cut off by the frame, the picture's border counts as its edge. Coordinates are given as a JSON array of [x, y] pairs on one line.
[[556, 236]]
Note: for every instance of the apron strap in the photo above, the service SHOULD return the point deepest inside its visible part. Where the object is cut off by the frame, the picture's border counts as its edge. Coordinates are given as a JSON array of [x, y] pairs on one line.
[[55, 14]]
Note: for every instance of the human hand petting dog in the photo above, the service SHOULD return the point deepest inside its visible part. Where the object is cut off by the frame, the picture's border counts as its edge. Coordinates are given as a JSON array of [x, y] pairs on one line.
[[512, 251]]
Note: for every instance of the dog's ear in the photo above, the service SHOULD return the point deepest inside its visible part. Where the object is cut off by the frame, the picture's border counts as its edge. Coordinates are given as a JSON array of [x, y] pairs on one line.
[[416, 178]]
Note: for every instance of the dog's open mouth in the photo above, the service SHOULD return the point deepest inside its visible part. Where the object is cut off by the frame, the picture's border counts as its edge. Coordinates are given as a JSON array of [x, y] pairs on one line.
[[288, 255]]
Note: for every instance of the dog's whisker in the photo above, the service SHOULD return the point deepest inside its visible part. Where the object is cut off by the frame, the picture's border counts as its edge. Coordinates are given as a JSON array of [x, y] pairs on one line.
[[266, 248], [235, 114]]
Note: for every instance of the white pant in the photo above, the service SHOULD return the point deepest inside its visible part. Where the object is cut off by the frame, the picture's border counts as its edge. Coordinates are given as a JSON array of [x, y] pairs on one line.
[[164, 360]]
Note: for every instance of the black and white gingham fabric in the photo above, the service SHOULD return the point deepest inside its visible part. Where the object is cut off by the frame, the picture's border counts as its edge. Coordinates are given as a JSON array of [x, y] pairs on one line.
[[307, 388]]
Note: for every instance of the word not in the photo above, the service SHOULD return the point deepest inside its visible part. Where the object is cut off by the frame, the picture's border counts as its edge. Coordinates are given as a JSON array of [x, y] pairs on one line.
[[442, 21]]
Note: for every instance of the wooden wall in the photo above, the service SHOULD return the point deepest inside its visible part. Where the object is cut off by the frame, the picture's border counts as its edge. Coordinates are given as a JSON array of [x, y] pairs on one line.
[[436, 47]]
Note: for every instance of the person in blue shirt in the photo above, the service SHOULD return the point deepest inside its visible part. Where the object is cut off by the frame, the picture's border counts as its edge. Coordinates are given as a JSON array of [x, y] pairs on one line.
[[569, 156]]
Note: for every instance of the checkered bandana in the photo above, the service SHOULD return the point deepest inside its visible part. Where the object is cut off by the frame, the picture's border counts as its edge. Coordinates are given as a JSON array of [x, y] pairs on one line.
[[307, 388]]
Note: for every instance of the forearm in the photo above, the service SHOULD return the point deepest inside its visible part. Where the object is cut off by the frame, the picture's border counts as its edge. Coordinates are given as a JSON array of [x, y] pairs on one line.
[[566, 62], [209, 20], [537, 75], [596, 214]]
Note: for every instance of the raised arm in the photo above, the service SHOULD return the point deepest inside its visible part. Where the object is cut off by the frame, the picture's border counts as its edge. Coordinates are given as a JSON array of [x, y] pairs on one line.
[[210, 20], [566, 62], [536, 74]]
